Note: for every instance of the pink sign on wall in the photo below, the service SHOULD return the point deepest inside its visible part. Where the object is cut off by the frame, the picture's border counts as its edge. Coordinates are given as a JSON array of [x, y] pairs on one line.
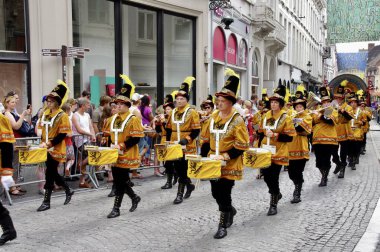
[[219, 44], [231, 50]]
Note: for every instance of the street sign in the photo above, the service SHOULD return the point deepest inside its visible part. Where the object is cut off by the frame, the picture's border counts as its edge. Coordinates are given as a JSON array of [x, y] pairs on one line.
[[51, 50], [51, 54]]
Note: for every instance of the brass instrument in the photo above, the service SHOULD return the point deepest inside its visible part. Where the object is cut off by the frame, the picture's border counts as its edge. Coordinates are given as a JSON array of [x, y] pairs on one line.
[[312, 100]]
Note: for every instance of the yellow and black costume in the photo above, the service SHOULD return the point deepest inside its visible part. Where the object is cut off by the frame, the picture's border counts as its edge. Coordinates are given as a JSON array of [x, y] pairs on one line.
[[343, 130], [356, 124], [299, 147], [125, 131], [232, 145], [280, 124], [189, 128], [55, 125], [325, 139], [6, 146]]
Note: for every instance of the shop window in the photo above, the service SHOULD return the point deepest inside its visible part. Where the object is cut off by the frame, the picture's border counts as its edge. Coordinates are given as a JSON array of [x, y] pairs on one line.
[[182, 28], [12, 25], [98, 12], [146, 25]]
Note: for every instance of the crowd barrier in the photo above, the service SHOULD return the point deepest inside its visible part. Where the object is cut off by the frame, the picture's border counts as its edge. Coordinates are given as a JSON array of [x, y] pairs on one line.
[[80, 155]]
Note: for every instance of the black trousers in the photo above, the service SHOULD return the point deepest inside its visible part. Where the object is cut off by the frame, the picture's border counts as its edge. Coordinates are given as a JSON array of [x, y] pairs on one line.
[[181, 170], [51, 175], [6, 155], [120, 179], [169, 167], [221, 191], [354, 149], [295, 170], [323, 153], [342, 157], [3, 211], [364, 143], [271, 177]]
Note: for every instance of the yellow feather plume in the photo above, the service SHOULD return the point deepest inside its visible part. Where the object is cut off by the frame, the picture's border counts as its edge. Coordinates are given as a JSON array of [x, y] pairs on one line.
[[344, 83], [360, 93], [189, 80], [129, 82], [301, 88], [64, 99], [264, 91], [287, 95], [174, 94]]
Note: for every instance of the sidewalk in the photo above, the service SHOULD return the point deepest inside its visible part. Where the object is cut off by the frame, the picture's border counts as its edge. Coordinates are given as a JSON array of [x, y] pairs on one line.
[[370, 240]]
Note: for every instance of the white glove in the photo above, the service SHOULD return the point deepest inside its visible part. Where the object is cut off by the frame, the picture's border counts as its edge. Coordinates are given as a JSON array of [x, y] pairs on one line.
[[7, 182]]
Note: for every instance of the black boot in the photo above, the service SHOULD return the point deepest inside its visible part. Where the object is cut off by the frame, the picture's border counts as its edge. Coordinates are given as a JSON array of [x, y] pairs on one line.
[[341, 173], [116, 207], [274, 198], [134, 197], [189, 189], [337, 169], [168, 184], [175, 179], [46, 203], [297, 194], [324, 174], [230, 221], [112, 192], [362, 151], [353, 163], [222, 228], [69, 192], [9, 232], [357, 158], [179, 198]]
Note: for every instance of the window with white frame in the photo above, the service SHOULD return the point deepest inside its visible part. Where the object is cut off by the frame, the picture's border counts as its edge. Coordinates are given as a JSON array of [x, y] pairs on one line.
[[146, 25]]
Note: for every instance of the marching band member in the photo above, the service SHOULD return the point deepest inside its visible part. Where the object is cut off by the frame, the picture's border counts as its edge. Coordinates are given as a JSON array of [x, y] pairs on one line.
[[279, 130], [368, 113], [185, 121], [324, 138], [356, 124], [207, 107], [232, 145], [343, 130], [125, 131], [299, 147], [55, 125], [160, 128], [6, 173]]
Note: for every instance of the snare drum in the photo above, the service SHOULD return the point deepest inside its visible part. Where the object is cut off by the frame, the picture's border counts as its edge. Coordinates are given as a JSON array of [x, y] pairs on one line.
[[101, 155], [168, 152], [203, 168], [32, 155], [257, 158]]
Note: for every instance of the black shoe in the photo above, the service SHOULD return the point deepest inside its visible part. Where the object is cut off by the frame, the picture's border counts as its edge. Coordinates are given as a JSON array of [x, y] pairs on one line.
[[341, 173], [8, 228], [222, 228], [353, 167], [337, 169], [69, 193], [190, 188], [297, 194], [135, 202], [179, 198], [112, 193], [44, 206], [114, 213], [169, 180], [168, 185], [274, 198], [230, 221]]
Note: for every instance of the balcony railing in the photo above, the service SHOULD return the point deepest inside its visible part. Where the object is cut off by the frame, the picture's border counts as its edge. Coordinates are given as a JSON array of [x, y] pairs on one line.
[[263, 19]]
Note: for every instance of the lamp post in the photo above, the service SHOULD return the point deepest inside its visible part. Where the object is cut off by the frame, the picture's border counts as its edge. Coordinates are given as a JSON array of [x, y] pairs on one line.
[[309, 65], [213, 6]]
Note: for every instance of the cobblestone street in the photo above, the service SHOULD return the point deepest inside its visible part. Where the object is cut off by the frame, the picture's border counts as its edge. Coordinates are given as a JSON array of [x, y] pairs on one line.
[[332, 218]]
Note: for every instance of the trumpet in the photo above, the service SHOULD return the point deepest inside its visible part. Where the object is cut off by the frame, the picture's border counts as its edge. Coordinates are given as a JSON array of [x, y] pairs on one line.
[[325, 111], [312, 100]]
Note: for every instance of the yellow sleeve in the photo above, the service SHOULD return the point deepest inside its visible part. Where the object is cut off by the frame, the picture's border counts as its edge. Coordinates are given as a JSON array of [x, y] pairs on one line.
[[169, 122], [195, 123], [289, 127], [134, 128], [107, 127], [64, 125], [307, 124], [242, 138], [205, 132]]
